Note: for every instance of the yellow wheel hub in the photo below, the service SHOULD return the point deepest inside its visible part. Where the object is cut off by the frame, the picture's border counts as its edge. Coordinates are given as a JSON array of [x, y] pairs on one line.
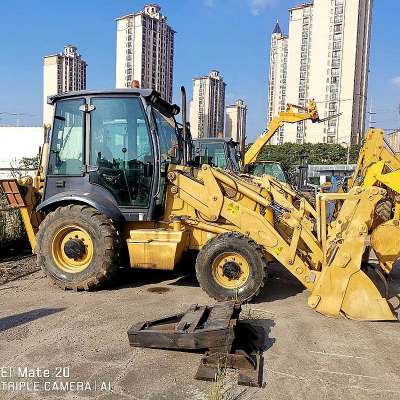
[[72, 249], [231, 270]]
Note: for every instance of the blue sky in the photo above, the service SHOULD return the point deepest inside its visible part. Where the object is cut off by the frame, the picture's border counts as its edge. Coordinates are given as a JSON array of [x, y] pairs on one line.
[[231, 36]]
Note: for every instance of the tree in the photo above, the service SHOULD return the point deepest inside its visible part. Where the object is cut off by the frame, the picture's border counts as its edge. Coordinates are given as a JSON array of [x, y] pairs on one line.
[[288, 154], [21, 167]]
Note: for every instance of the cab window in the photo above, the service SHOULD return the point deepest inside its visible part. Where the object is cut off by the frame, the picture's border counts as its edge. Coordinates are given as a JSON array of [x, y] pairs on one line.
[[169, 152], [121, 149], [166, 128], [66, 151], [215, 155]]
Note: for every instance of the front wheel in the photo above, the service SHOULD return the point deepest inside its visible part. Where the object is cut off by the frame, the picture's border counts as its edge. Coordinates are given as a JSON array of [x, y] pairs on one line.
[[231, 266], [77, 247]]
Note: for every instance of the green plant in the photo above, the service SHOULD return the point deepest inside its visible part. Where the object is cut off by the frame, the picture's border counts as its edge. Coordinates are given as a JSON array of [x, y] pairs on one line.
[[11, 226], [288, 154], [21, 167]]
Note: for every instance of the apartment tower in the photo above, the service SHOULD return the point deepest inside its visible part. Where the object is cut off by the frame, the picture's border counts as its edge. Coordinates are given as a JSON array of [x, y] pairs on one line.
[[277, 77], [327, 60], [62, 72], [207, 108], [145, 51], [236, 115]]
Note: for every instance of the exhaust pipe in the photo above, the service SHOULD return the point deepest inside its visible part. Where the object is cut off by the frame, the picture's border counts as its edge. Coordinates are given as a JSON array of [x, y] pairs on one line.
[[184, 126]]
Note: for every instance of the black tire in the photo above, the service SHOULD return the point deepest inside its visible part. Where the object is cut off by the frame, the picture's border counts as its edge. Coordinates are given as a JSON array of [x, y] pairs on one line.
[[245, 247], [106, 245]]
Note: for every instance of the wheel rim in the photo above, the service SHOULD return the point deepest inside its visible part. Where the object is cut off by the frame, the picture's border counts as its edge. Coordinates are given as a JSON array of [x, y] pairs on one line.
[[231, 270], [72, 249]]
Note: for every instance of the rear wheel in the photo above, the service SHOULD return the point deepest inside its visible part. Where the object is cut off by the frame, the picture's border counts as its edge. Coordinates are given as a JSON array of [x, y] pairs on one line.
[[231, 266], [77, 247]]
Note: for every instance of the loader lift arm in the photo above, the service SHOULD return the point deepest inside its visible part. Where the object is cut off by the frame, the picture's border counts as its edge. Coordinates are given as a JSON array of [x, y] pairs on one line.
[[328, 265], [289, 116]]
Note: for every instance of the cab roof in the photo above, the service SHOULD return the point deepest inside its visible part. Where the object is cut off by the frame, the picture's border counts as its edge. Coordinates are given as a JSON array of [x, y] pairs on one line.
[[149, 94]]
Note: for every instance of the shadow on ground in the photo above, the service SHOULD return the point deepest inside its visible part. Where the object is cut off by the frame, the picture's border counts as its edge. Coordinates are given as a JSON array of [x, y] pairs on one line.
[[280, 284], [183, 275], [20, 319], [14, 250], [254, 334]]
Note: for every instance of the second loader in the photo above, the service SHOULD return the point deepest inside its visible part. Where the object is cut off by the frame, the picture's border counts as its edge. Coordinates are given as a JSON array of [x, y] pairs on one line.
[[117, 177]]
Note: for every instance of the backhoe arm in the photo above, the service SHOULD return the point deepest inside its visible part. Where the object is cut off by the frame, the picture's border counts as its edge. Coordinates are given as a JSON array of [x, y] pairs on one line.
[[289, 116], [376, 163]]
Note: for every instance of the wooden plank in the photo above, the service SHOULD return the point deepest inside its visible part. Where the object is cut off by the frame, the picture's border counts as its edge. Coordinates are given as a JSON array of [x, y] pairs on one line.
[[222, 315], [190, 320]]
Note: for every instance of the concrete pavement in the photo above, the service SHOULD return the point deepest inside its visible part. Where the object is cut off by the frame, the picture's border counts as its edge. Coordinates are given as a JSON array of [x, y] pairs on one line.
[[310, 356]]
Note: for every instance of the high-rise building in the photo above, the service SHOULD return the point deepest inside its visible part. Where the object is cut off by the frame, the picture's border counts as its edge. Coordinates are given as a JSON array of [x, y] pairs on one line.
[[236, 115], [145, 51], [277, 77], [328, 60], [63, 72], [207, 108]]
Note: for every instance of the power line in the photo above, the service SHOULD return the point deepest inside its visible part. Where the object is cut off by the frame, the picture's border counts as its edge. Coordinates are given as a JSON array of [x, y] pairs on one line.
[[18, 114]]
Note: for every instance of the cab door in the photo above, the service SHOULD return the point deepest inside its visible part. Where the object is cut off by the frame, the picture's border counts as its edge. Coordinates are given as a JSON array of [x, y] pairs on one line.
[[169, 150], [66, 162], [122, 154]]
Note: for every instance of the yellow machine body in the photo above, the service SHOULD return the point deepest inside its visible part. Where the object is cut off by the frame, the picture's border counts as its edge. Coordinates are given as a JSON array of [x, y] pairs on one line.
[[157, 248], [202, 203]]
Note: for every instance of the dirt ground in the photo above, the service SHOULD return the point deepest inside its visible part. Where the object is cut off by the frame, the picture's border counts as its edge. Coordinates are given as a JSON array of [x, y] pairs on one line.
[[13, 267], [309, 356]]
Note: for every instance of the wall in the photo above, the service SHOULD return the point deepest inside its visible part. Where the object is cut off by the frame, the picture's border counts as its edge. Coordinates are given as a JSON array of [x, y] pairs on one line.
[[15, 143]]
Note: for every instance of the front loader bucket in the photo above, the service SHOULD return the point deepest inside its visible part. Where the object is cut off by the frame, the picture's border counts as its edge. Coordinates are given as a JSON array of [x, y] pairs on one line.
[[363, 301], [343, 288], [349, 292]]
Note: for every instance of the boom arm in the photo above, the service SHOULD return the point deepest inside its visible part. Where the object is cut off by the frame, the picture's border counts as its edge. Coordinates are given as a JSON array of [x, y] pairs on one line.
[[290, 116]]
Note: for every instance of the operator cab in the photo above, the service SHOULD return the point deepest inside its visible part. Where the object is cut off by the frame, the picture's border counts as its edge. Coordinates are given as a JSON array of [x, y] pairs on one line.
[[111, 149], [217, 152], [271, 168]]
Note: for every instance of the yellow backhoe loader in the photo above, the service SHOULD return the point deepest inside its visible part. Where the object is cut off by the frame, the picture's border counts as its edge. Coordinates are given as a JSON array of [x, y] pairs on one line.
[[117, 176], [263, 170], [289, 116], [225, 154]]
